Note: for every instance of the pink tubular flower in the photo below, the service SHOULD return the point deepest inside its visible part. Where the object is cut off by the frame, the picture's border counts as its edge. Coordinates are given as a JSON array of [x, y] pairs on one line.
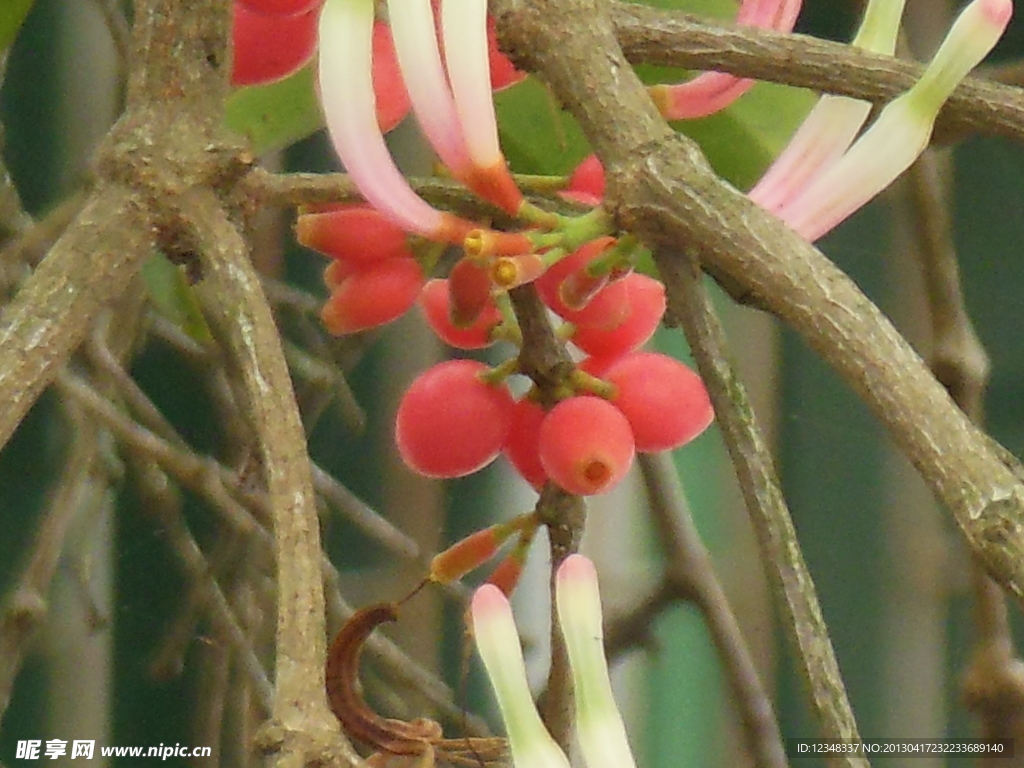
[[820, 179], [832, 125], [347, 98], [711, 92], [599, 726], [902, 130], [412, 27], [464, 24], [453, 106]]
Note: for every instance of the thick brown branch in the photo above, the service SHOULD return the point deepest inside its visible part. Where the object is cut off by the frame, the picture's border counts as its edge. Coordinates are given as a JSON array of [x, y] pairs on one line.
[[657, 36], [662, 189], [246, 327], [90, 265]]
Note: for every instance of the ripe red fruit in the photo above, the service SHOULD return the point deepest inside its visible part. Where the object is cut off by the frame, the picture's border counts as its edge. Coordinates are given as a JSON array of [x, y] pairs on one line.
[[281, 7], [450, 423], [435, 301], [354, 233], [373, 296], [522, 446], [665, 402], [469, 284], [586, 184], [268, 48], [503, 72], [388, 85], [549, 284], [586, 445], [645, 308]]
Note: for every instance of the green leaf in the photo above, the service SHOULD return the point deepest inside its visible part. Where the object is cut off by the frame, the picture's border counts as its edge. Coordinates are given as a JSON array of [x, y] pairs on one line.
[[740, 142], [536, 135], [174, 298], [12, 13], [277, 115]]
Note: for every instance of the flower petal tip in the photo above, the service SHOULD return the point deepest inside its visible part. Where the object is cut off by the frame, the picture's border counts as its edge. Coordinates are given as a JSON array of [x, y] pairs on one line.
[[488, 601], [998, 12], [495, 184], [577, 569]]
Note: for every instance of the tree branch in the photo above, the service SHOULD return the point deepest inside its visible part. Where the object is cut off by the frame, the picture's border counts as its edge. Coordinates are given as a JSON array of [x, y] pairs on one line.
[[993, 682], [794, 587], [302, 724], [658, 36], [690, 574], [89, 266], [662, 189]]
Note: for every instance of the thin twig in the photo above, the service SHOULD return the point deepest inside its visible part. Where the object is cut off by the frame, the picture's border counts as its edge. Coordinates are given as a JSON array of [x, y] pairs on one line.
[[545, 360], [25, 605], [167, 510], [120, 34], [691, 574], [794, 587], [993, 683]]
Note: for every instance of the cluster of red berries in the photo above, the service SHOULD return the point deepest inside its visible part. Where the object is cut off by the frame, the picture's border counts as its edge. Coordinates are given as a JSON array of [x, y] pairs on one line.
[[272, 38], [459, 415]]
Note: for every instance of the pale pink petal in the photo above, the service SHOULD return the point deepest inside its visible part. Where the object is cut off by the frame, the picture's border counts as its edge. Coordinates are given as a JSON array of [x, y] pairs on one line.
[[347, 98], [464, 26], [833, 124], [903, 129], [711, 92], [412, 25]]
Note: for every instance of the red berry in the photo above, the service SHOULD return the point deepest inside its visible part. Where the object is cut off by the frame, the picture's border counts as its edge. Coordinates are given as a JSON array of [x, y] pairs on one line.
[[645, 308], [435, 301], [503, 72], [373, 296], [281, 7], [354, 233], [522, 446], [549, 284], [665, 402], [469, 285], [586, 184], [450, 423], [388, 84], [586, 445], [268, 48]]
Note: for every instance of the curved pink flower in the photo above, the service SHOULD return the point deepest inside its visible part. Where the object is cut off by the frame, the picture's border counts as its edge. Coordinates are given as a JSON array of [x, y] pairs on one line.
[[600, 729], [349, 104], [711, 92]]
